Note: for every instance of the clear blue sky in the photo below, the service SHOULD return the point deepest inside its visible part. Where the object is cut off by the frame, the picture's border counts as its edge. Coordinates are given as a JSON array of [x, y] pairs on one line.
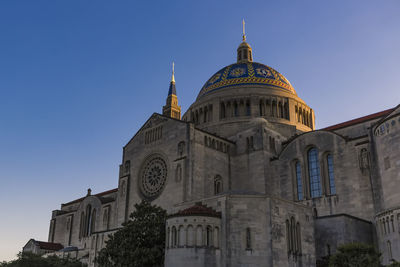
[[78, 78]]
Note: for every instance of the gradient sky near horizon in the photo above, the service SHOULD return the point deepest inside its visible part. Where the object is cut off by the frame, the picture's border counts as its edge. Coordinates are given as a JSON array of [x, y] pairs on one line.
[[78, 78]]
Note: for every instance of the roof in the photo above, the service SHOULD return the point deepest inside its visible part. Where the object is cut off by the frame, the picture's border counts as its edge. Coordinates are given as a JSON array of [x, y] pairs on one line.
[[172, 88], [197, 210], [245, 74], [97, 195], [48, 245], [359, 120]]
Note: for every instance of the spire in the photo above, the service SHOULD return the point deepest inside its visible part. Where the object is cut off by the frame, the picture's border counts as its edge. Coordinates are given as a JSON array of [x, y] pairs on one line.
[[244, 31], [244, 53], [171, 109], [172, 88], [173, 72]]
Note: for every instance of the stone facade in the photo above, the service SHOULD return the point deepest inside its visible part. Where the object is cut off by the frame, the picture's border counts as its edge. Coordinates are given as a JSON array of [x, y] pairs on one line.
[[248, 181]]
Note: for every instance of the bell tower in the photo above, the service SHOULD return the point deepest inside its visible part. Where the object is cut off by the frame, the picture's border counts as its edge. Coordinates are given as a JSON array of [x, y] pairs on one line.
[[171, 109]]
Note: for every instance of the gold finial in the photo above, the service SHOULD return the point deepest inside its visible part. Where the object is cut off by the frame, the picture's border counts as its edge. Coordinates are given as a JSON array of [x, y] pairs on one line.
[[244, 32], [173, 72]]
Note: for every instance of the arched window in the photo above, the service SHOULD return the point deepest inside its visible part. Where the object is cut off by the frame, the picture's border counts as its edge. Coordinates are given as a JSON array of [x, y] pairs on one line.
[[93, 222], [216, 237], [235, 109], [280, 115], [88, 221], [174, 237], [199, 236], [389, 249], [329, 161], [181, 236], [209, 242], [190, 236], [289, 244], [217, 184], [82, 225], [298, 238], [168, 238], [262, 111], [298, 181], [293, 234], [314, 173], [248, 111]]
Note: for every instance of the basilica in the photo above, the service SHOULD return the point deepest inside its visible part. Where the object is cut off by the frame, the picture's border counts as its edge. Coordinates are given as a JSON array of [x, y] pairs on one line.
[[247, 180]]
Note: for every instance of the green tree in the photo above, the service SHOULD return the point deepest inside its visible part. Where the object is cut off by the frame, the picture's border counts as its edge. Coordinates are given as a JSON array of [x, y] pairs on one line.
[[141, 241], [355, 255], [33, 260]]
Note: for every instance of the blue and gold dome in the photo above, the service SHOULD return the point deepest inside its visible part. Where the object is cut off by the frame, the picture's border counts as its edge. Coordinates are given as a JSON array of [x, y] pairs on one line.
[[246, 73]]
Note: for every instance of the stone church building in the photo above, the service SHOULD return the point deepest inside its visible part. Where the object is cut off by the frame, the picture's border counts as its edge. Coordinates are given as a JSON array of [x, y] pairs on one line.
[[247, 180]]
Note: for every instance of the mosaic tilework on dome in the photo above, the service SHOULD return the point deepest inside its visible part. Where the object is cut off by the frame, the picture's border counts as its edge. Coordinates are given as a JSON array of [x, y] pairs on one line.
[[246, 73]]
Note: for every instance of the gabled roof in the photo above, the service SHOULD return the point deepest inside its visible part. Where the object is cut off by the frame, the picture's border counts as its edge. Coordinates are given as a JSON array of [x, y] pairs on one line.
[[97, 195], [359, 120]]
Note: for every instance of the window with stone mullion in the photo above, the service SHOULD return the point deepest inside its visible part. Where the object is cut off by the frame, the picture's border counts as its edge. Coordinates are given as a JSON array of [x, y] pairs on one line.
[[314, 173], [331, 175]]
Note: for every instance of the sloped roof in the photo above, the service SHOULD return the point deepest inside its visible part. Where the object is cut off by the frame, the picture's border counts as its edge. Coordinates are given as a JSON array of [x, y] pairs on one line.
[[359, 120], [97, 195], [48, 245], [197, 210]]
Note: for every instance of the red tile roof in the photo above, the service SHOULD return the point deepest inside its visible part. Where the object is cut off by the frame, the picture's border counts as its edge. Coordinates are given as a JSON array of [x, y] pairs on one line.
[[97, 195], [197, 210], [359, 120], [49, 246]]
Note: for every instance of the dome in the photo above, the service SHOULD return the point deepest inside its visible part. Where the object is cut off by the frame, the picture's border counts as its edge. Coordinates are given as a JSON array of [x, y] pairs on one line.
[[246, 73]]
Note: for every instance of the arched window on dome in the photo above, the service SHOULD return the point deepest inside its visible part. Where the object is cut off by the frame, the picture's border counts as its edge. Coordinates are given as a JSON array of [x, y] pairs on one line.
[[268, 107], [329, 163], [280, 115], [314, 173], [299, 184], [235, 109], [286, 110], [222, 110], [274, 109], [248, 110], [205, 117], [262, 111], [228, 110]]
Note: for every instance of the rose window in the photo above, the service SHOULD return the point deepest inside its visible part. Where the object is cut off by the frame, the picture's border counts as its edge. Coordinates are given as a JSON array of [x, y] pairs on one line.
[[153, 177]]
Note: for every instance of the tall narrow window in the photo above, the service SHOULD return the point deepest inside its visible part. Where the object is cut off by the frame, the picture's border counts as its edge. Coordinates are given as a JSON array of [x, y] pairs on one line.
[[389, 248], [332, 187], [314, 172], [298, 181], [208, 236], [93, 222], [88, 221], [235, 109], [248, 238], [248, 111], [289, 244], [298, 238], [217, 185]]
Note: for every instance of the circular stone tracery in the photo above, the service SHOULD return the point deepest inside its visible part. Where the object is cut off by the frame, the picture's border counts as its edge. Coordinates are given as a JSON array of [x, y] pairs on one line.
[[153, 177]]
